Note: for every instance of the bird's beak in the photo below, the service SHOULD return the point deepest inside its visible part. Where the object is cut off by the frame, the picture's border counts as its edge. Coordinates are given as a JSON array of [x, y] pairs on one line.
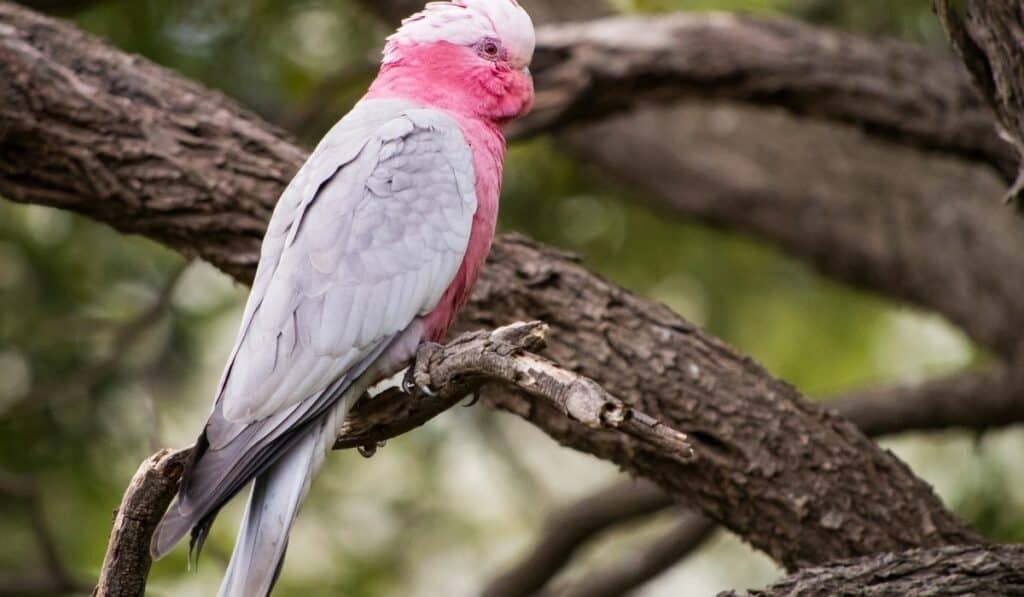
[[526, 71]]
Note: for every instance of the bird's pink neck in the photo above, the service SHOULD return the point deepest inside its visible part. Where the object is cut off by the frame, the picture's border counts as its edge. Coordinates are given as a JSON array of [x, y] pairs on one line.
[[436, 77], [452, 78]]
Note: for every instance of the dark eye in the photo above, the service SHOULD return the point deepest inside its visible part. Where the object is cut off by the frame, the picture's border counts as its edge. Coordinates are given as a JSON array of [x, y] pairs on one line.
[[490, 49]]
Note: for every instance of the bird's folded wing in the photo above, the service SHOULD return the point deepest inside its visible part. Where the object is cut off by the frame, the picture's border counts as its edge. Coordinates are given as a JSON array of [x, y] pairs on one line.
[[367, 237]]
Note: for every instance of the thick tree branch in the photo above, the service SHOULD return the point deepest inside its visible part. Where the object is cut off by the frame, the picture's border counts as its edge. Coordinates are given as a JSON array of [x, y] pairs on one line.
[[989, 35], [892, 89], [116, 138], [980, 400], [739, 418], [924, 228], [956, 570]]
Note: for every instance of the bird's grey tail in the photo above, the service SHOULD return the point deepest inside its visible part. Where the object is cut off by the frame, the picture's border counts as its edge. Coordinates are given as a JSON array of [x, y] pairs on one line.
[[273, 504]]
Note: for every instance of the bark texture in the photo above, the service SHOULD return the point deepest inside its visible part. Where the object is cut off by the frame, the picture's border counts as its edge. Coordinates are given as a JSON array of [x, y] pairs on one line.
[[790, 477], [86, 127], [895, 90], [980, 400], [136, 146], [835, 197], [127, 561], [989, 35], [956, 570]]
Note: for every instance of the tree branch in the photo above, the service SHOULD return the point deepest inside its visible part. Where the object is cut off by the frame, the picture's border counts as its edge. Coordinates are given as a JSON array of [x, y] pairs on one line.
[[956, 570], [119, 139], [980, 400], [988, 35], [896, 90], [636, 569], [918, 227], [566, 530], [127, 561]]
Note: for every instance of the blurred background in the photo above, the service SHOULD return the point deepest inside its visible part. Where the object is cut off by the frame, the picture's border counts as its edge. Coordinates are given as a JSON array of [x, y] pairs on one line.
[[110, 347]]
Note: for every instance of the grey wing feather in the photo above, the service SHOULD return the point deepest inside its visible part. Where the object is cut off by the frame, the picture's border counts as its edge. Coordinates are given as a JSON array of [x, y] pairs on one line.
[[366, 238], [355, 268]]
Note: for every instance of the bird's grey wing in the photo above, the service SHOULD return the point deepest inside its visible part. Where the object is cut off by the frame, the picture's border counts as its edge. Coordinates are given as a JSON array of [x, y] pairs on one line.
[[375, 246], [364, 242]]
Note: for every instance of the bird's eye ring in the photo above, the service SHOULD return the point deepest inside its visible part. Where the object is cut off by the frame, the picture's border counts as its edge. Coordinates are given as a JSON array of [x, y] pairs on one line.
[[489, 49]]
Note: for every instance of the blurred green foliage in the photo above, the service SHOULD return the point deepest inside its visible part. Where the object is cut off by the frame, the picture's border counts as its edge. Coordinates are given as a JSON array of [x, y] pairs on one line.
[[77, 422]]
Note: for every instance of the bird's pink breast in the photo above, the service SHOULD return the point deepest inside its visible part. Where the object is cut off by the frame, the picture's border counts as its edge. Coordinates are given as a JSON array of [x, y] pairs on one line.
[[478, 97], [488, 147]]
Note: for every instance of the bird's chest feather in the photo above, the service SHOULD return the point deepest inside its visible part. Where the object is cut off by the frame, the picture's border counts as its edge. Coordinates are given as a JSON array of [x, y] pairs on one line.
[[488, 147]]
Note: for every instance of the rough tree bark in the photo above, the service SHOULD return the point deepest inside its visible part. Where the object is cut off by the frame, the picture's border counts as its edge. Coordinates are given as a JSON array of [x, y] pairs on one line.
[[957, 570], [835, 197], [989, 35], [732, 410], [891, 89], [89, 129], [981, 401]]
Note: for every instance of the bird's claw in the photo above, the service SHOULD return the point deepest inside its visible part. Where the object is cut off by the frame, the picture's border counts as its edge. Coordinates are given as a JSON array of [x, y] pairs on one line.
[[417, 376]]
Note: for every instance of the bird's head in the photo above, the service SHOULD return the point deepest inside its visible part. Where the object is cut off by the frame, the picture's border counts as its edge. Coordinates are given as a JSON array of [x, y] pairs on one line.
[[470, 56]]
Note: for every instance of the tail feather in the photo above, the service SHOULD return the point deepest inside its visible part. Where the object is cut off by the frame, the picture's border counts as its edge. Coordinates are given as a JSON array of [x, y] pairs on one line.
[[274, 502]]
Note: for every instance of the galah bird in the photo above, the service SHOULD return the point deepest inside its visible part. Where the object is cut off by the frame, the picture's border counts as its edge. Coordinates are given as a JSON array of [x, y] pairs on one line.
[[370, 252]]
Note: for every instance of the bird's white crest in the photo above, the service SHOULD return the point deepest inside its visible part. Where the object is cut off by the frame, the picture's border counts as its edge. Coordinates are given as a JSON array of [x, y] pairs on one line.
[[465, 22]]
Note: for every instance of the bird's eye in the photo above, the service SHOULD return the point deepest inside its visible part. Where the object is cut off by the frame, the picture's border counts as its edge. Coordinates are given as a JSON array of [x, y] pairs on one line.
[[490, 49]]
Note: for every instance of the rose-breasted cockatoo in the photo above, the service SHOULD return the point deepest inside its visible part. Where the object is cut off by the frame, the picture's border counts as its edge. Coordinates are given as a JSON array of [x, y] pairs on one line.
[[370, 252]]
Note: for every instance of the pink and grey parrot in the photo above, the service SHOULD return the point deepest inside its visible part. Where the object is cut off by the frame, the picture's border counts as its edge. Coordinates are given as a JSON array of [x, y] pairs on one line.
[[370, 252]]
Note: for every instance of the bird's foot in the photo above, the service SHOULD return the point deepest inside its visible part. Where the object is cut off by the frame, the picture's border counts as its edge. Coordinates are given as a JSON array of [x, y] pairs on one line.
[[417, 376]]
